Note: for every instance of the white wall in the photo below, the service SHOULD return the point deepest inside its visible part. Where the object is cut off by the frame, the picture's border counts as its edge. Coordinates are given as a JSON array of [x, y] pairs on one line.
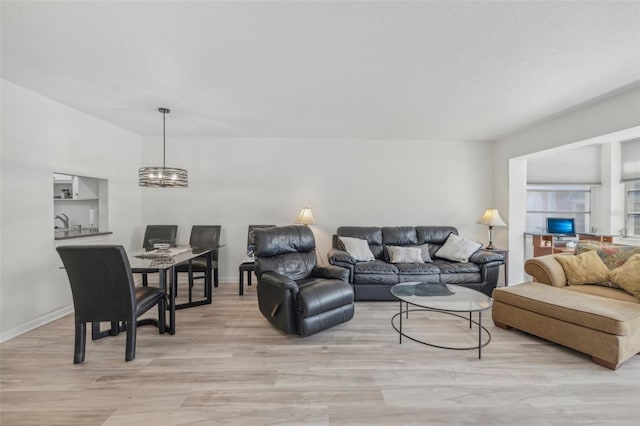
[[40, 136], [237, 182], [609, 119]]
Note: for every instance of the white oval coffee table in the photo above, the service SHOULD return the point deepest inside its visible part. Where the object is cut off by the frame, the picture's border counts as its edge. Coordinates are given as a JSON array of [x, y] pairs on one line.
[[448, 299]]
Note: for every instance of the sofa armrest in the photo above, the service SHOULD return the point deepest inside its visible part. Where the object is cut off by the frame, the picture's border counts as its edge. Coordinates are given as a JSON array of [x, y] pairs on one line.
[[277, 280], [331, 272], [340, 256], [546, 270], [481, 257]]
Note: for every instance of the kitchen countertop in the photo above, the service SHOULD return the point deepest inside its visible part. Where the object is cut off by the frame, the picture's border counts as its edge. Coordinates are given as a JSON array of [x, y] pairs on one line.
[[65, 235]]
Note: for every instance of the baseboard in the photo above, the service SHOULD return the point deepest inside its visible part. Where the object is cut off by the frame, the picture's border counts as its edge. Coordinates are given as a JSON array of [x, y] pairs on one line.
[[35, 323]]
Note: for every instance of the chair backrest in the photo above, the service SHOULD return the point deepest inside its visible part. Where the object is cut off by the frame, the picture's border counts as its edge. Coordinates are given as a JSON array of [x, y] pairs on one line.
[[159, 233], [101, 282], [250, 238], [206, 236], [287, 250]]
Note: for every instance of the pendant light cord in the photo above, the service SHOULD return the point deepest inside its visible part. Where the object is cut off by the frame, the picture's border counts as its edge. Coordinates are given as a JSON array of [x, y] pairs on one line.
[[164, 112], [164, 140]]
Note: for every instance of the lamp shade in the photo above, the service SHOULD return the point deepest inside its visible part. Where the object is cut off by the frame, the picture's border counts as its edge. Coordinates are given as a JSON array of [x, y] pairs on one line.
[[305, 217], [491, 217]]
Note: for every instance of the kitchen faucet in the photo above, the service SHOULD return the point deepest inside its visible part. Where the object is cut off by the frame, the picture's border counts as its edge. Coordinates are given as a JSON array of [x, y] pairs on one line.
[[64, 218]]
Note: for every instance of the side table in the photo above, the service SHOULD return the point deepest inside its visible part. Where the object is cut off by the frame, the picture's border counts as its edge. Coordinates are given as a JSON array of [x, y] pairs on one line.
[[505, 253], [248, 267]]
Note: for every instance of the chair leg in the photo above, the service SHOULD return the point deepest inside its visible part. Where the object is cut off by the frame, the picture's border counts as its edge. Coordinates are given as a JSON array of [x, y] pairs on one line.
[[162, 319], [80, 343], [215, 277], [132, 328]]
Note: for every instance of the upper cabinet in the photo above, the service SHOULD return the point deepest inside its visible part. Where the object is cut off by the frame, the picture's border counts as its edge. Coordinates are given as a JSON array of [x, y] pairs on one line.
[[68, 187], [80, 206]]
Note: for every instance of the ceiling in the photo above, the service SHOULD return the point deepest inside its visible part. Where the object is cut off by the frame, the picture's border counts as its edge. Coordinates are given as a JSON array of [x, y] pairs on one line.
[[393, 70]]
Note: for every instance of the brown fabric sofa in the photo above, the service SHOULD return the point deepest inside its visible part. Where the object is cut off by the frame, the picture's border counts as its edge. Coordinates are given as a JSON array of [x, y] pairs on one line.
[[600, 321]]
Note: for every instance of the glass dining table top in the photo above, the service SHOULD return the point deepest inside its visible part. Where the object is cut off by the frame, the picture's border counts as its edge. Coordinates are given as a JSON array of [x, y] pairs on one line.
[[165, 259]]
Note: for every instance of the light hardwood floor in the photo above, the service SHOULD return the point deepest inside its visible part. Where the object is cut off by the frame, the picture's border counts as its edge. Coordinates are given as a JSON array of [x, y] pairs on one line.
[[227, 365]]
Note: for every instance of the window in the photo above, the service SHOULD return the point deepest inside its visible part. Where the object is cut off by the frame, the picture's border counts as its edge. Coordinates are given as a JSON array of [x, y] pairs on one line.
[[633, 208], [573, 201]]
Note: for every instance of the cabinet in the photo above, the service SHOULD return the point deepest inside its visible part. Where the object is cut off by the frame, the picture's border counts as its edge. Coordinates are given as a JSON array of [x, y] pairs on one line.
[[66, 187], [544, 244], [80, 206], [608, 239]]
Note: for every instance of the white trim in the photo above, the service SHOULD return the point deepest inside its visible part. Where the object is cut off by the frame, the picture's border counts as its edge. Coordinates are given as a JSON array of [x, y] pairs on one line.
[[35, 323]]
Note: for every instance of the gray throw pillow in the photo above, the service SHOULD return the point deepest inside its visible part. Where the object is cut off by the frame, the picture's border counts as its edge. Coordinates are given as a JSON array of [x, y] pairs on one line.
[[357, 248], [399, 254], [424, 251], [458, 249]]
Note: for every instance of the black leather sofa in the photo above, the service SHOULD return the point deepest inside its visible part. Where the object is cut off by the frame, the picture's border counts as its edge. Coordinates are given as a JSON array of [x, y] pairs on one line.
[[373, 280]]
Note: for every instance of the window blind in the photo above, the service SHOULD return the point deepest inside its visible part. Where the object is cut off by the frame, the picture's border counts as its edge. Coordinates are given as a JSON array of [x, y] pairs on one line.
[[576, 166], [630, 160]]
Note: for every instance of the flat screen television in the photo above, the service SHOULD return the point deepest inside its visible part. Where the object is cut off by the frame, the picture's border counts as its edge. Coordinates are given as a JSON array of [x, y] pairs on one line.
[[559, 225]]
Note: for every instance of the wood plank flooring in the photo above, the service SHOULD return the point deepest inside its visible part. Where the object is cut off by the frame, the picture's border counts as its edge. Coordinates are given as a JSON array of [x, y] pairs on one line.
[[227, 365]]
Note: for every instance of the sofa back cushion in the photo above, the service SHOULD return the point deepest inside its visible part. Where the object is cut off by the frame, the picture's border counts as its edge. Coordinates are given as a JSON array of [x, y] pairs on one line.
[[378, 237], [372, 234], [435, 236], [399, 236]]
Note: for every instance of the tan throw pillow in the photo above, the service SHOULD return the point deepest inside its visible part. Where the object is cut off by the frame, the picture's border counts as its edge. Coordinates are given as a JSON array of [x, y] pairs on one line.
[[585, 268], [627, 276]]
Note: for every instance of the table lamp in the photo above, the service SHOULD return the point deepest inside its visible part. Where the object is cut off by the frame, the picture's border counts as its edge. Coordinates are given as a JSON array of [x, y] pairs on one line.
[[491, 218], [305, 217]]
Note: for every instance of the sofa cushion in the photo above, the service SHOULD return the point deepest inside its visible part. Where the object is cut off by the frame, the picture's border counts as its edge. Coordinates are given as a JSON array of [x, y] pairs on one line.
[[372, 234], [595, 312], [596, 290], [458, 249], [357, 248], [585, 268], [399, 235], [375, 267], [417, 268], [434, 234], [399, 254], [447, 267], [627, 276]]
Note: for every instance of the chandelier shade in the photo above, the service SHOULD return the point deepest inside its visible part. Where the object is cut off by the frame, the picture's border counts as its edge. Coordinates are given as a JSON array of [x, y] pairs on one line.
[[163, 177]]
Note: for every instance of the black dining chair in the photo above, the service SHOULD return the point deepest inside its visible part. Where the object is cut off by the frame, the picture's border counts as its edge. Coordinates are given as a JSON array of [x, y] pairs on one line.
[[103, 291], [248, 265], [158, 234], [202, 236]]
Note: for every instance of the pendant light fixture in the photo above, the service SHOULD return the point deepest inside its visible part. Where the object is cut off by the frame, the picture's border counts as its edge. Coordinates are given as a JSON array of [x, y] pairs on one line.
[[163, 177]]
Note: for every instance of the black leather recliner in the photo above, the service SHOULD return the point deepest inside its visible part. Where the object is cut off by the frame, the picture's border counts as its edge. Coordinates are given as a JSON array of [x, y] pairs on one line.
[[295, 294]]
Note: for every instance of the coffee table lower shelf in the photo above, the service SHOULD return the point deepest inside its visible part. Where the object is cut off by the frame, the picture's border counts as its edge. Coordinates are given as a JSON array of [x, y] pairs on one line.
[[481, 328]]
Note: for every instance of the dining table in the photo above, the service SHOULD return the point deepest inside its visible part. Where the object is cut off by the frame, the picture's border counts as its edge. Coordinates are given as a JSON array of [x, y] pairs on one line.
[[164, 262]]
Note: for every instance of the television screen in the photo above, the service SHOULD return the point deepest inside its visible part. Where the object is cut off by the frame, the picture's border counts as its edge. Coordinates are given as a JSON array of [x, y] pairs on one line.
[[556, 225]]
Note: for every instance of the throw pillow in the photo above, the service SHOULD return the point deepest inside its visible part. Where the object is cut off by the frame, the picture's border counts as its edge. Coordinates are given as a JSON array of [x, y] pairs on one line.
[[585, 268], [627, 276], [357, 248], [424, 250], [612, 256], [404, 254], [457, 248]]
